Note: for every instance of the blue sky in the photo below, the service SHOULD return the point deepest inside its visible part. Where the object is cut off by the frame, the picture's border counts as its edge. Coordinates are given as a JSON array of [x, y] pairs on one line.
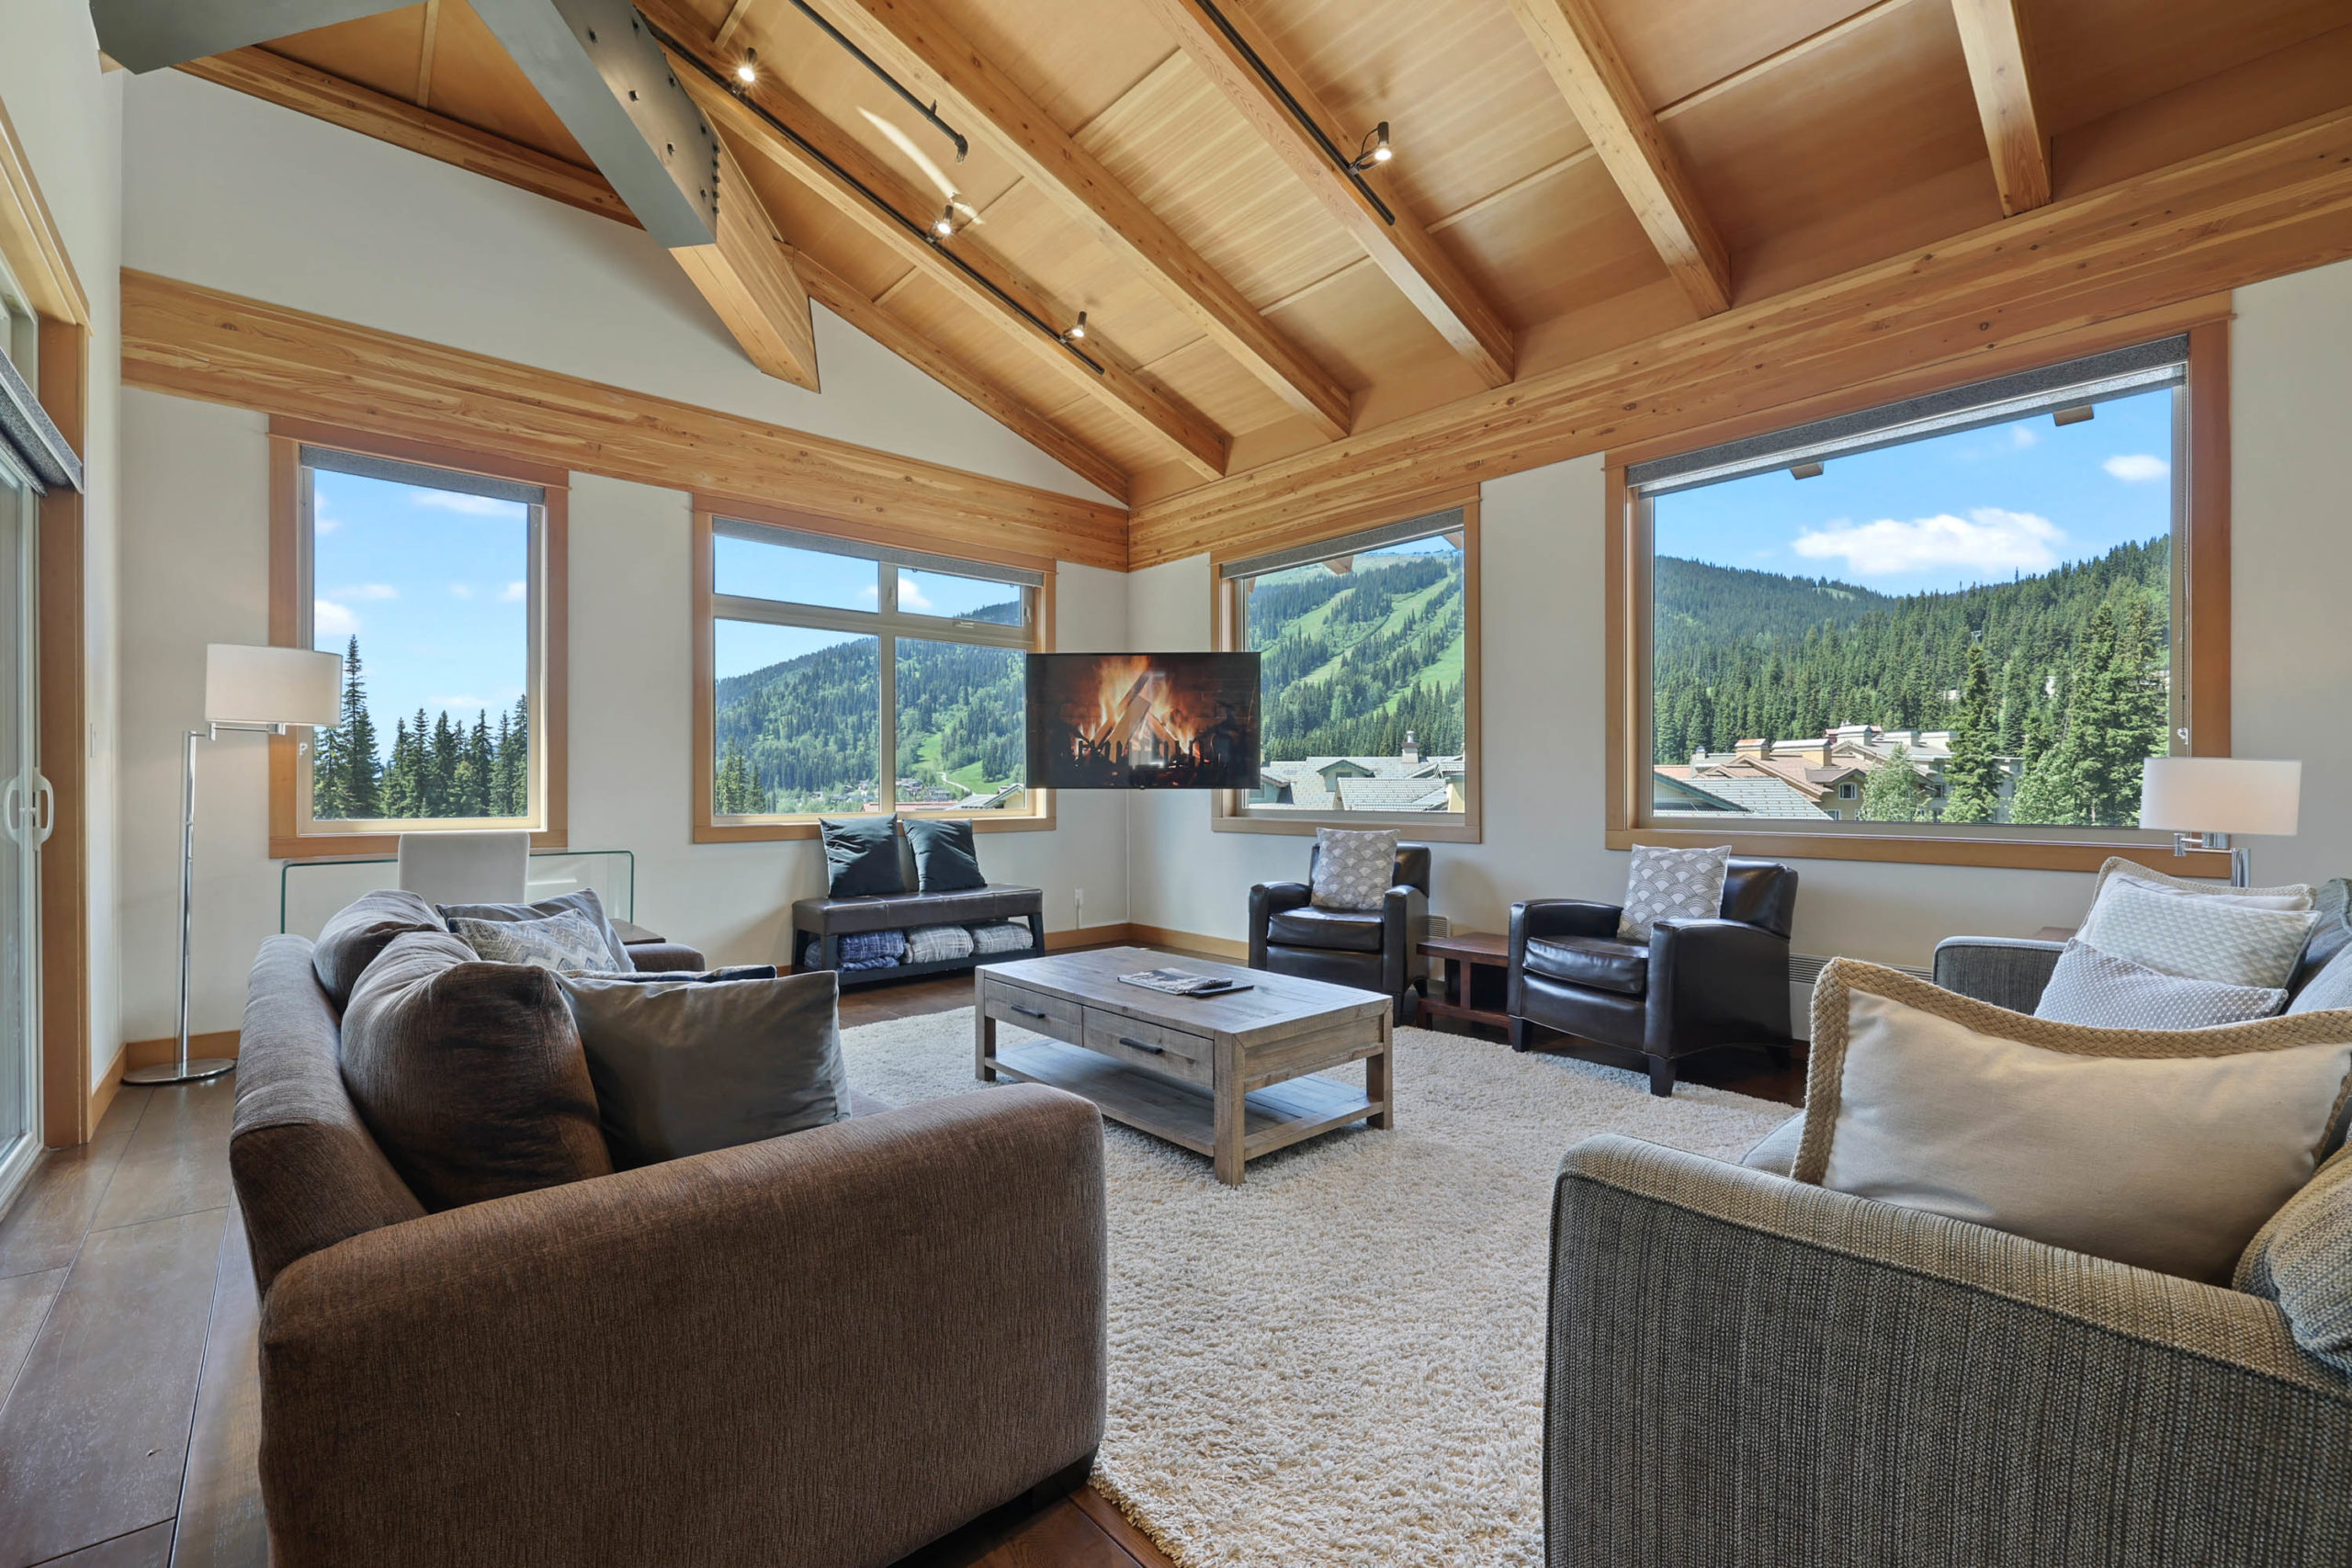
[[758, 571], [434, 584], [1979, 506]]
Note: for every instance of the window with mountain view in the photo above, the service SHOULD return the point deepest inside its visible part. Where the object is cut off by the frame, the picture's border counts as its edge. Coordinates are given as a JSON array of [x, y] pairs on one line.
[[426, 581], [847, 679], [1960, 612], [1366, 682]]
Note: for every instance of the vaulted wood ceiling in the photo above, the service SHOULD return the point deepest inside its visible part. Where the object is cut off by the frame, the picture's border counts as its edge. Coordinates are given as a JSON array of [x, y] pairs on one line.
[[1570, 176]]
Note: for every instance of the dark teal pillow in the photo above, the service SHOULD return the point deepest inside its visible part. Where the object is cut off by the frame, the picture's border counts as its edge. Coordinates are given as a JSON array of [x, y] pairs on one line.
[[945, 861], [862, 856]]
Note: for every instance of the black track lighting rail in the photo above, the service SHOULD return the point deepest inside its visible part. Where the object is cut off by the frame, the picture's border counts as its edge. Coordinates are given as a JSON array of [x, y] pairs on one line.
[[920, 231], [927, 111], [1339, 161]]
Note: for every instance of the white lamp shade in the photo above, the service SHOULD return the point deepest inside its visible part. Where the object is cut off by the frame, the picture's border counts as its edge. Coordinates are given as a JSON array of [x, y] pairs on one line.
[[2221, 794], [271, 686]]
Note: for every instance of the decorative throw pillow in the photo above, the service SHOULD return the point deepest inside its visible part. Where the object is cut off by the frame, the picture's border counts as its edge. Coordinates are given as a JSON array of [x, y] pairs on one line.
[[945, 859], [1663, 884], [2099, 988], [862, 856], [565, 941], [681, 1068], [583, 902], [938, 944], [470, 1074], [2203, 939], [1354, 870], [2293, 895], [2329, 989], [2302, 1260], [2163, 1149], [361, 930]]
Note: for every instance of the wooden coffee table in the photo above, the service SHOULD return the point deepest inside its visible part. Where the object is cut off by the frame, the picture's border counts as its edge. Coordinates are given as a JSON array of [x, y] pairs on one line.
[[1231, 1076]]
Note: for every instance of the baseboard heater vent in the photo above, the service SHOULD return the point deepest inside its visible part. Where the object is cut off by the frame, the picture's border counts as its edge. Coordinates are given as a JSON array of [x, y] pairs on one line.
[[1805, 969]]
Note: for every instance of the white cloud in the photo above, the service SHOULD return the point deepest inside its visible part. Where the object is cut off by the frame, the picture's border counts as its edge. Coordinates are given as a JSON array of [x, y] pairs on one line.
[[461, 703], [2137, 467], [331, 619], [470, 505], [1989, 539], [2022, 436], [367, 590], [515, 592], [327, 524], [912, 598], [461, 589]]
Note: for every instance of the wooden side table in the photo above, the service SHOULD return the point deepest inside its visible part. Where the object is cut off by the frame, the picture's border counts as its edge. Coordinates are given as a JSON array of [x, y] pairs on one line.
[[1477, 969]]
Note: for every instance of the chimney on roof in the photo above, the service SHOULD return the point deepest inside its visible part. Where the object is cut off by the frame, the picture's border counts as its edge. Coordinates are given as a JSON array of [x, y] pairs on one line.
[[1412, 747], [1755, 749]]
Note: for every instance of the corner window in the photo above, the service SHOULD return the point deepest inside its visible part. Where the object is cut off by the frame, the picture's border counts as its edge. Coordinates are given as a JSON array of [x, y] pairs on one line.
[[844, 679], [1970, 611], [433, 584], [1369, 678]]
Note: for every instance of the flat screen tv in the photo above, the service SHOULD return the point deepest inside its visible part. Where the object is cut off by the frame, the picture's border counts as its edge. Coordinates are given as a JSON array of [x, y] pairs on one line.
[[1143, 720]]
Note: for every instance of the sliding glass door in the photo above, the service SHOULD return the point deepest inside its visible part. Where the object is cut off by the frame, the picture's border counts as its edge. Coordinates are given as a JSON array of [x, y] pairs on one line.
[[25, 819]]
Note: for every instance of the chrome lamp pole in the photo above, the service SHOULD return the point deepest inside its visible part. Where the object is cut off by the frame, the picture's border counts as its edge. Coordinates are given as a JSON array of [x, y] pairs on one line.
[[292, 685]]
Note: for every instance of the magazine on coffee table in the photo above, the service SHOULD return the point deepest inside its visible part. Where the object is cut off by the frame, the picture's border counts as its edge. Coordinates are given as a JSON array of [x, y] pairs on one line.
[[1179, 982]]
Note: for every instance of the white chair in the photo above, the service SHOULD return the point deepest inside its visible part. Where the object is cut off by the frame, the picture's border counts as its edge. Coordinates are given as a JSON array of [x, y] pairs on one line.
[[466, 868]]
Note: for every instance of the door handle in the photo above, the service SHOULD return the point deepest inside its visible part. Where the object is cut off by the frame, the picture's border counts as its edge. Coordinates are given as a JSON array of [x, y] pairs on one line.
[[11, 795], [1026, 1013], [1139, 1045], [48, 809]]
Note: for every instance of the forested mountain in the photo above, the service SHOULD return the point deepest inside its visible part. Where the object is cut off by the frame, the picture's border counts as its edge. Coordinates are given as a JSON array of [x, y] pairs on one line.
[[800, 735], [2068, 669], [1353, 660], [445, 769]]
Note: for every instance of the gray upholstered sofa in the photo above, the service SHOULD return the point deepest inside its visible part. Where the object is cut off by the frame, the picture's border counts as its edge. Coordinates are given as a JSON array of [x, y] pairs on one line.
[[1746, 1370], [826, 1348]]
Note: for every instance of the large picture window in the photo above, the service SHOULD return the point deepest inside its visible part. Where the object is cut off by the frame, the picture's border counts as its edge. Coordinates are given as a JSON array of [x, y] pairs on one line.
[[1966, 616], [843, 677], [434, 584], [1369, 699]]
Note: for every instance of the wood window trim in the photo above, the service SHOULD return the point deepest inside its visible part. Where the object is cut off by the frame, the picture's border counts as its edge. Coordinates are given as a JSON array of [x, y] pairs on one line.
[[287, 438], [1226, 813], [2204, 447], [68, 1110], [704, 824]]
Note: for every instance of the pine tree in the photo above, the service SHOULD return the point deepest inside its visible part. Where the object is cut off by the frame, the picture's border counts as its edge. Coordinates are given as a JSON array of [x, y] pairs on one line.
[[327, 803], [735, 791], [470, 776], [361, 768], [401, 801], [1973, 775], [518, 770], [1895, 792], [441, 768]]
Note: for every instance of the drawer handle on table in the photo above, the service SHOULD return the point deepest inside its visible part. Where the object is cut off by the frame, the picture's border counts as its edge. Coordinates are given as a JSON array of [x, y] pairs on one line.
[[1139, 1045], [1025, 1012]]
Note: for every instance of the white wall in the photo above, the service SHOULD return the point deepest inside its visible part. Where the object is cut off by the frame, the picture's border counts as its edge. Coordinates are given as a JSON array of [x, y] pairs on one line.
[[1543, 581], [69, 116], [226, 191]]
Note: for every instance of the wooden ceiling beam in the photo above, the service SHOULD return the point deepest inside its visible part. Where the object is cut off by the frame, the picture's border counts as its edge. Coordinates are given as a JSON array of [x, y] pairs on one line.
[[749, 281], [1395, 240], [914, 42], [1576, 48], [290, 84], [833, 167], [1992, 35]]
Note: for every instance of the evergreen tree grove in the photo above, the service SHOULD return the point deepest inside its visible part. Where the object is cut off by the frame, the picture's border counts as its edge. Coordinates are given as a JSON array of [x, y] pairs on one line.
[[434, 768], [1973, 775]]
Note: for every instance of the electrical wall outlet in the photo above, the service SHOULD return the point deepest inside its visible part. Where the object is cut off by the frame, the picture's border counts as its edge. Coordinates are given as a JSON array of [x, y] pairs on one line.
[[1440, 926]]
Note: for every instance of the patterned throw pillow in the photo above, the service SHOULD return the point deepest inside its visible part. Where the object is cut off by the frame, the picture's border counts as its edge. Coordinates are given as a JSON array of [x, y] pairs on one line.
[[2328, 991], [1353, 869], [2289, 895], [2203, 939], [1671, 884], [2107, 992], [568, 944], [2302, 1260]]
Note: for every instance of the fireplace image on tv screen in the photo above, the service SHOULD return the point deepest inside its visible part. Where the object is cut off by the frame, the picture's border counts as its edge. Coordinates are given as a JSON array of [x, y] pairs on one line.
[[1143, 720]]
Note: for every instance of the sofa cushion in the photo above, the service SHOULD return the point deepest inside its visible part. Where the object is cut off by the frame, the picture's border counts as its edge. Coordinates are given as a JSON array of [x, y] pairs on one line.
[[1668, 883], [581, 901], [470, 1074], [358, 934], [861, 856], [1352, 869], [2091, 986], [2197, 938], [1344, 930], [997, 902], [2166, 1149], [307, 1170], [1598, 962], [682, 1066], [947, 861], [565, 941], [2302, 1260]]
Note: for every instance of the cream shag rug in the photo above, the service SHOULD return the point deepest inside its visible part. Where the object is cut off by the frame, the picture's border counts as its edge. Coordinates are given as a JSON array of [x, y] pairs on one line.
[[1341, 1361]]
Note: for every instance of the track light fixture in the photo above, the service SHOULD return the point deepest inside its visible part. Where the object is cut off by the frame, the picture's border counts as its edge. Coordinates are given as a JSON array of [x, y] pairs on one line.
[[1374, 149], [1078, 329], [944, 225], [747, 70]]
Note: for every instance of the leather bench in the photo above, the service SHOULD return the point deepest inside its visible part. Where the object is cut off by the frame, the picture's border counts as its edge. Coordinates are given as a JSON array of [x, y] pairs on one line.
[[828, 920]]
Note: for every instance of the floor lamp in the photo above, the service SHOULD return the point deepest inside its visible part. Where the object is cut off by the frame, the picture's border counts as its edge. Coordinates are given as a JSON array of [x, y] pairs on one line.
[[261, 689], [2203, 800]]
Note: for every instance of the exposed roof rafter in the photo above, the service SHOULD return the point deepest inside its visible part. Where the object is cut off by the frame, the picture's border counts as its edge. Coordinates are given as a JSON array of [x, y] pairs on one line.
[[1992, 35]]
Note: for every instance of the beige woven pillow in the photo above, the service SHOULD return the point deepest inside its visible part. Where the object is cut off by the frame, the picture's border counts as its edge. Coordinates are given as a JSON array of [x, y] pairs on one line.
[[2164, 1148], [2290, 895]]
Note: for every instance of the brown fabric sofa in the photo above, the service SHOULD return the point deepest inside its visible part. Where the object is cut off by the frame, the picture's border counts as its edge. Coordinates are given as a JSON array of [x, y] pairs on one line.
[[826, 1348]]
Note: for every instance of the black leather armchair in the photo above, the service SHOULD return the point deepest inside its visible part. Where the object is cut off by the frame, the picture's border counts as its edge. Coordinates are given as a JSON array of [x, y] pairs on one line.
[[1378, 950], [1694, 986]]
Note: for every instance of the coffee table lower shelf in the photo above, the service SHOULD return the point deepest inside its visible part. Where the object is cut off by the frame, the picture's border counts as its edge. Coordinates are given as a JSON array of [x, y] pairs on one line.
[[1271, 1118]]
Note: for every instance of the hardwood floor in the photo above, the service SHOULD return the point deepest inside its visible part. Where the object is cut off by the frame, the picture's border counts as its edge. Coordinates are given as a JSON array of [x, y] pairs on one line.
[[129, 1407]]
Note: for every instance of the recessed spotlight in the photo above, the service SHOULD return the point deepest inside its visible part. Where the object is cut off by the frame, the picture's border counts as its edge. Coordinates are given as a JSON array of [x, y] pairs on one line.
[[747, 71], [1375, 149], [944, 225]]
